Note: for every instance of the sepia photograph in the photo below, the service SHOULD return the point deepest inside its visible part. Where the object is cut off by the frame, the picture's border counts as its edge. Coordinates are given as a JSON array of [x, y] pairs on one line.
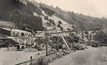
[[53, 32]]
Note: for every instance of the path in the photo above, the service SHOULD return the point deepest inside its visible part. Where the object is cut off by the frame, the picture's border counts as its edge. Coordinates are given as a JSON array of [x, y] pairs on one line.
[[91, 56], [14, 57]]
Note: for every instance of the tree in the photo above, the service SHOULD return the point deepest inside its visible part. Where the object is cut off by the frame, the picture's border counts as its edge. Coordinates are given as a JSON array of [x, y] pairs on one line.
[[59, 22], [61, 28], [52, 21], [46, 18], [48, 24]]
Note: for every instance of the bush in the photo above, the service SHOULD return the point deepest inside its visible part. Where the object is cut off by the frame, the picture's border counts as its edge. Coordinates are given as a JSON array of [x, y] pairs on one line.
[[46, 18], [95, 44], [79, 46], [89, 42]]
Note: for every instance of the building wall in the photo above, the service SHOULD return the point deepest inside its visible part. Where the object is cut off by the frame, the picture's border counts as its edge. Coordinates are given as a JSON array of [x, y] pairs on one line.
[[20, 34], [13, 33], [5, 32], [4, 26]]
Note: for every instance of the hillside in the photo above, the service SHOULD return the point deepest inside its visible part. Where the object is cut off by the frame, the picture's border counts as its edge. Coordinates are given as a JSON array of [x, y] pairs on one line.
[[26, 14], [39, 16], [20, 13], [80, 20]]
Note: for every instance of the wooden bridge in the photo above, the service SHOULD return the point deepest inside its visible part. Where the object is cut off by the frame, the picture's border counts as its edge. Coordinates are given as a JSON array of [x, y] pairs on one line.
[[91, 34], [95, 31]]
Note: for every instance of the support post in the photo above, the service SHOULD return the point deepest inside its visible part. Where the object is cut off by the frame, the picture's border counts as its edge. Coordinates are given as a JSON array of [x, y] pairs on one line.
[[46, 42], [76, 34], [58, 43], [82, 34], [30, 60], [65, 43]]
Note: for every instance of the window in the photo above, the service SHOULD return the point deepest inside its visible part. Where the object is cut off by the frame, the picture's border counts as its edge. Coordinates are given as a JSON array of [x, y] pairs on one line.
[[13, 34], [22, 34]]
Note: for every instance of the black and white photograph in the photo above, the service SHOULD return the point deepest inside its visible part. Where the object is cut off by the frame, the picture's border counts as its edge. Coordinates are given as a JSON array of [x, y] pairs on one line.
[[53, 32]]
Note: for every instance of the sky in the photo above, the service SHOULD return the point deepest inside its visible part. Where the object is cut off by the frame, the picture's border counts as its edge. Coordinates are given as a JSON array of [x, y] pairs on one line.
[[96, 8]]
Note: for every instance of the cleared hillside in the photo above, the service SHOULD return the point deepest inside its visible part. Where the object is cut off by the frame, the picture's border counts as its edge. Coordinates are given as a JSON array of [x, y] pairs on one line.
[[80, 20]]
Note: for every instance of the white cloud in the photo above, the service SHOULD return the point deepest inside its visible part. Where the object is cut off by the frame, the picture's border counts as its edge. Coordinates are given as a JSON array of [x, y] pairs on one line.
[[96, 8]]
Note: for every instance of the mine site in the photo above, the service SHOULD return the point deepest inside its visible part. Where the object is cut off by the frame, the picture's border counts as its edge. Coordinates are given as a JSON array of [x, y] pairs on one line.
[[36, 32]]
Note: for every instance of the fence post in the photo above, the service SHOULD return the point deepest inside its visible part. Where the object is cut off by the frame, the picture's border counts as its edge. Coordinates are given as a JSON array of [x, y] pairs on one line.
[[30, 60]]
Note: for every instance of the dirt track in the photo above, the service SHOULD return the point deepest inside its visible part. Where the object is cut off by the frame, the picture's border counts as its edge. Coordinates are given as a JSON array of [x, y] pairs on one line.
[[14, 57], [91, 56]]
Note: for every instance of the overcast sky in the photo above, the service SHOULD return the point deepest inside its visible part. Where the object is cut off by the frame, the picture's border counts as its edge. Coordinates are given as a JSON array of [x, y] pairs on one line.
[[97, 8]]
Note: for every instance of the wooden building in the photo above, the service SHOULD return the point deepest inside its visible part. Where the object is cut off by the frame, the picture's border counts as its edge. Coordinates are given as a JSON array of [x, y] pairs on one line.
[[14, 32], [6, 24]]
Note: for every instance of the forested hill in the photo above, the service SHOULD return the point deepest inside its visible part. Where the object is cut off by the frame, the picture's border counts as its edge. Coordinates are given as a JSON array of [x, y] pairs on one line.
[[20, 12], [39, 16]]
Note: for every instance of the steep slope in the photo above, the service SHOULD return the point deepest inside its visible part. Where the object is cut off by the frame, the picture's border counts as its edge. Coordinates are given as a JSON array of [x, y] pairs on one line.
[[20, 13], [29, 14], [80, 20], [51, 20], [37, 16]]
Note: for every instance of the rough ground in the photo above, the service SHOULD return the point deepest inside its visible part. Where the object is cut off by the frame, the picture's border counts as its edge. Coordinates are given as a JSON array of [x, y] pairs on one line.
[[91, 56], [14, 57]]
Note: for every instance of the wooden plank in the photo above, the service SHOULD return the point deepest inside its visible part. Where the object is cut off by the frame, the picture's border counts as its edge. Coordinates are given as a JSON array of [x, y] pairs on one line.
[[65, 43]]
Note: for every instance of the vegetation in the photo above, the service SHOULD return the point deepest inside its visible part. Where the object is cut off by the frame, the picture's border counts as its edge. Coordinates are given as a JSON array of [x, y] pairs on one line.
[[95, 44], [20, 14], [80, 20], [52, 22], [46, 18], [48, 11]]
